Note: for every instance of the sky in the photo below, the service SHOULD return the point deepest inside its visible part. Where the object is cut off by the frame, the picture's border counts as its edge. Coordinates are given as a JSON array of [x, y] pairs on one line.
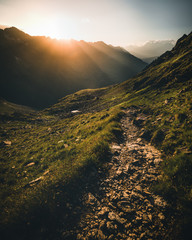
[[116, 22]]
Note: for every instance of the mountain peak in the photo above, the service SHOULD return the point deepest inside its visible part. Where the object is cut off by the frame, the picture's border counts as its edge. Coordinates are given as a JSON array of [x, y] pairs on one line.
[[15, 33], [184, 42]]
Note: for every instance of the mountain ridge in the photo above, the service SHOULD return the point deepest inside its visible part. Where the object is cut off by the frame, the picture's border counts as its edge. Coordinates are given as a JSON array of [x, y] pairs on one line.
[[51, 69]]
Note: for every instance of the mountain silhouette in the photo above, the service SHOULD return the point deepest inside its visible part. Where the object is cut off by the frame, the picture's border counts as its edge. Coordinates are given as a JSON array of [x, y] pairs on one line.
[[37, 71]]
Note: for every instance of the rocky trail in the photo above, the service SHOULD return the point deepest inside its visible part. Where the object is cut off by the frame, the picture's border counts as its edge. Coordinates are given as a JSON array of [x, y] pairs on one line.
[[120, 205]]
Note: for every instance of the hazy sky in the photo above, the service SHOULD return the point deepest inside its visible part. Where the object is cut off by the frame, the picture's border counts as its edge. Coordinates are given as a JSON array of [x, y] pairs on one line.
[[119, 22]]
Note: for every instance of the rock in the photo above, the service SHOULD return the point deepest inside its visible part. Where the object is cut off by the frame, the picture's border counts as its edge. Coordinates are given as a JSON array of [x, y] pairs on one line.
[[145, 217], [30, 164], [93, 233], [36, 180], [149, 155], [7, 143], [75, 111], [114, 217], [79, 236], [157, 161], [101, 235], [142, 235], [119, 172], [161, 216], [110, 226], [136, 196], [91, 199], [116, 147], [166, 101], [127, 167], [150, 217], [139, 140], [126, 194], [46, 172], [159, 201], [111, 237], [102, 225], [138, 188]]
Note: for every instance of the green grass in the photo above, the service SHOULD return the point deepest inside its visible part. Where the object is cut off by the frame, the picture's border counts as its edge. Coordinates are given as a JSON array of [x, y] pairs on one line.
[[63, 147], [59, 149]]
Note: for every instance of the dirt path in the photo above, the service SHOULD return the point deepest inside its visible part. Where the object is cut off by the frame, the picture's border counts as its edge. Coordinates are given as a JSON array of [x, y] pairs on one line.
[[123, 207]]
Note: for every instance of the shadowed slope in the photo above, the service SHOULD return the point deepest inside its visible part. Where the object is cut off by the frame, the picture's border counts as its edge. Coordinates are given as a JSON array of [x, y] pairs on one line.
[[37, 71]]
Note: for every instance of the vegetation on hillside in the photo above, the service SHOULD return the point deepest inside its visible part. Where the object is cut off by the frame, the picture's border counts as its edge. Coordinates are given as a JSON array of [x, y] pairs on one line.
[[42, 153]]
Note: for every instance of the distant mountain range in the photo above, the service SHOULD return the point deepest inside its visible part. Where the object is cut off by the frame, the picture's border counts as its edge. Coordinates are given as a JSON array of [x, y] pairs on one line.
[[151, 50], [37, 71]]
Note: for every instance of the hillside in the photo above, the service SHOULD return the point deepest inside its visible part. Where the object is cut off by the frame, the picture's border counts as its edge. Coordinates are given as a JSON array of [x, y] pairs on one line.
[[51, 160], [37, 71], [8, 109]]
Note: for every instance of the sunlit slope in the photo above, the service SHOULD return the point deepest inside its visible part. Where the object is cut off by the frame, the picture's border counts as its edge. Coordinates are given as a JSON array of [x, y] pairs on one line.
[[37, 71]]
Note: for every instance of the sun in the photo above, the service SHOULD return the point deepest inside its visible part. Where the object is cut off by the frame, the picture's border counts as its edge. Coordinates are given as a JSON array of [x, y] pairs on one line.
[[63, 29]]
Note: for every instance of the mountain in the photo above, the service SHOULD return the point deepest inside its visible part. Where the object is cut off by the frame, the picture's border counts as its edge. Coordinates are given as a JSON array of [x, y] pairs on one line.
[[52, 160], [170, 69], [37, 71], [150, 59], [151, 49]]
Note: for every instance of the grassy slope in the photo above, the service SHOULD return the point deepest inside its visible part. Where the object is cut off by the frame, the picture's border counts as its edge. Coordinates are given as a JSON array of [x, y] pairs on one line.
[[163, 91], [58, 147], [61, 145], [9, 108]]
